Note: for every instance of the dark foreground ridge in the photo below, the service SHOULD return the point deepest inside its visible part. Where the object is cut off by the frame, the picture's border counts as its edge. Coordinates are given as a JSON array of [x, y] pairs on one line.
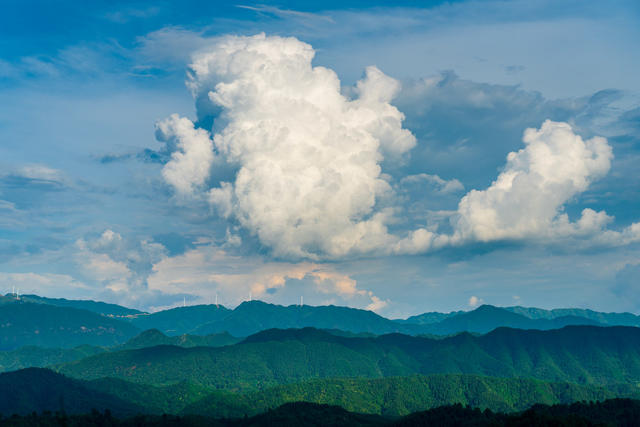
[[614, 412]]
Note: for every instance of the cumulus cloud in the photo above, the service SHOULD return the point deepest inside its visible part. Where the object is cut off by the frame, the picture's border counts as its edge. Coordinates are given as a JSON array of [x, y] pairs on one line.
[[309, 178], [527, 199], [528, 196]]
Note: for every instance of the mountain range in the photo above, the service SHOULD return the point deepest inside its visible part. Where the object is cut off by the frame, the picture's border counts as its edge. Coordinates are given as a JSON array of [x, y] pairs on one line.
[[60, 323], [578, 354], [214, 362]]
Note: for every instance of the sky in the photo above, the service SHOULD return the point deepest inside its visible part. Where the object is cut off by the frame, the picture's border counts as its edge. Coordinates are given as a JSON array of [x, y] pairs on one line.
[[425, 156]]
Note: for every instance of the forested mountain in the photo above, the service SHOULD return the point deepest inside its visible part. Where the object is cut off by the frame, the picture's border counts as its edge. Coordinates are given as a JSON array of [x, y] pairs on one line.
[[580, 354], [47, 325], [398, 396], [103, 308]]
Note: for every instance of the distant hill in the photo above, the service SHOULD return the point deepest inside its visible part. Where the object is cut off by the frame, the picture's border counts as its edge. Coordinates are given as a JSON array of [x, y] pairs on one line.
[[255, 316], [182, 320], [154, 337], [47, 325], [103, 308], [613, 319], [487, 318], [35, 390], [579, 354]]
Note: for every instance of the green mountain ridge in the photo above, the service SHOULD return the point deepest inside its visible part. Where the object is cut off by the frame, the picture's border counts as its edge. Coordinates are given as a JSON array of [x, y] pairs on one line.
[[579, 354]]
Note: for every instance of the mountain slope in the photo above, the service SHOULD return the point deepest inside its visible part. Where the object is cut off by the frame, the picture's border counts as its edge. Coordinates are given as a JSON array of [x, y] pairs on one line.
[[398, 396], [51, 326], [580, 354]]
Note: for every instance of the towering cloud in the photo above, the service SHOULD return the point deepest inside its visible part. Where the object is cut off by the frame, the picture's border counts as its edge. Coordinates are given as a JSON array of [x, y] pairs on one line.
[[308, 159]]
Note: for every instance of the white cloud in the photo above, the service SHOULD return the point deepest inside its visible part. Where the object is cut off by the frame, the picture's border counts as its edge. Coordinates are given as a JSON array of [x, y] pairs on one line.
[[309, 176], [527, 198]]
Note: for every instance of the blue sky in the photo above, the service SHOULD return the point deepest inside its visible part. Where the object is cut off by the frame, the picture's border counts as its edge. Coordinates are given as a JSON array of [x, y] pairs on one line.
[[104, 194]]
